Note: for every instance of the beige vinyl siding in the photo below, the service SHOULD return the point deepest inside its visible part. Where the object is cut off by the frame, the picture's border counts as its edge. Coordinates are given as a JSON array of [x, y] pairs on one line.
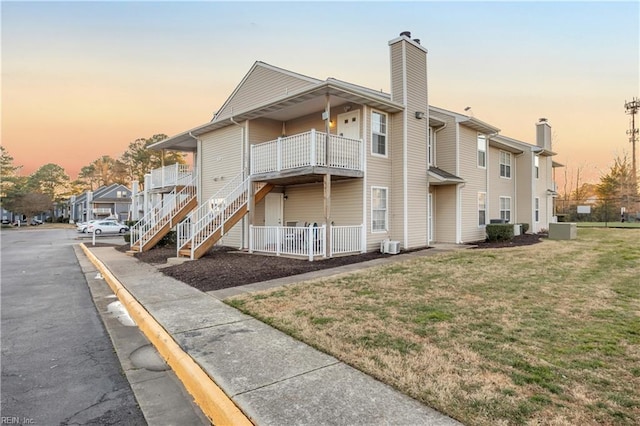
[[525, 189], [475, 181], [546, 201], [264, 130], [444, 201], [416, 147], [498, 186], [305, 203], [378, 175], [259, 87], [397, 89], [446, 144], [306, 123], [221, 160]]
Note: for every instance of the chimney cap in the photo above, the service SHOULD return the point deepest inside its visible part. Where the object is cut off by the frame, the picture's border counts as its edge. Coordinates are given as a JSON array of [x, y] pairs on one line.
[[417, 40], [542, 120], [406, 34]]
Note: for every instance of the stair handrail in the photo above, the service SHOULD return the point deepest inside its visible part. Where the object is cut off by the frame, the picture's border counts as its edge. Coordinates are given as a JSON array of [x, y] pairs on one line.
[[162, 213], [212, 215]]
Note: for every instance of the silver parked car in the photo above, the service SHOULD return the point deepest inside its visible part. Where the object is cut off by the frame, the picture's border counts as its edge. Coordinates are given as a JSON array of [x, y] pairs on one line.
[[107, 227]]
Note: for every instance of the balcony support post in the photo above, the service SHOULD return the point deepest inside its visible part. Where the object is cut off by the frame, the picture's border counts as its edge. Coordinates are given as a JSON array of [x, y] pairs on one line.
[[327, 209], [313, 147]]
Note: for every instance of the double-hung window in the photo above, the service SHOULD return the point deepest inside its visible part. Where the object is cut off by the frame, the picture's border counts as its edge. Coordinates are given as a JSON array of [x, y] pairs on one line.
[[379, 210], [482, 150], [505, 209], [505, 164], [379, 133], [537, 208], [482, 208], [536, 163]]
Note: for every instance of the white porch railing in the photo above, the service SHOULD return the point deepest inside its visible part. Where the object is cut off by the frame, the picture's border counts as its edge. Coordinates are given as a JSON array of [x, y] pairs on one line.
[[162, 213], [167, 176], [306, 241], [210, 216], [307, 149], [347, 239]]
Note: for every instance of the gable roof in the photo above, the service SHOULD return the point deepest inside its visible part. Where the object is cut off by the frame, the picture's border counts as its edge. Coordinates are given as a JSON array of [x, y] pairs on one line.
[[286, 107], [272, 82]]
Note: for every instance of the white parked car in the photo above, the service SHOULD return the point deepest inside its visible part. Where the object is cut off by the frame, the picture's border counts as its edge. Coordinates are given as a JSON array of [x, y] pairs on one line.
[[82, 226], [107, 227]]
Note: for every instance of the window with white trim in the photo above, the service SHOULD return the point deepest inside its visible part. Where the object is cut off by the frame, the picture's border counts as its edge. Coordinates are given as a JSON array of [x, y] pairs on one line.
[[379, 210], [505, 209], [505, 164], [536, 164], [537, 208], [482, 150], [378, 133], [482, 208]]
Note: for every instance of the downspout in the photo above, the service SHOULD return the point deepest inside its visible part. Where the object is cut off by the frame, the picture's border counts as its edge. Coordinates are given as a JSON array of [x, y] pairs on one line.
[[244, 169]]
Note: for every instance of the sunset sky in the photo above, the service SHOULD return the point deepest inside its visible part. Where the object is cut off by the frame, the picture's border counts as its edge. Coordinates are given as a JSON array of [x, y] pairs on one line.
[[84, 79]]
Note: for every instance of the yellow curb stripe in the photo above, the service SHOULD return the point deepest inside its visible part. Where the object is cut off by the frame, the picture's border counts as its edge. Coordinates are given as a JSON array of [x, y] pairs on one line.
[[214, 403]]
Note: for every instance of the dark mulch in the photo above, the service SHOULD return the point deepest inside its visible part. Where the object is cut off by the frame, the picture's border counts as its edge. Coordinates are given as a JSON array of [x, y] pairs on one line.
[[520, 240], [224, 267]]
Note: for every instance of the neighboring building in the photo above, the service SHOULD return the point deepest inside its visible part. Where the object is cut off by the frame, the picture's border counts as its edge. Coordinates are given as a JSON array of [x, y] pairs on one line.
[[295, 165], [107, 201]]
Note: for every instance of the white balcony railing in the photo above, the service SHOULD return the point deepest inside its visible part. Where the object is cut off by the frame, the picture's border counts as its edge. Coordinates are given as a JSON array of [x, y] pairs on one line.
[[306, 241], [173, 175], [102, 211], [307, 149]]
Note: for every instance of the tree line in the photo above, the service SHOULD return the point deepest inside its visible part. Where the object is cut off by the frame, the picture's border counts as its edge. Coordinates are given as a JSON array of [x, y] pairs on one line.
[[37, 193]]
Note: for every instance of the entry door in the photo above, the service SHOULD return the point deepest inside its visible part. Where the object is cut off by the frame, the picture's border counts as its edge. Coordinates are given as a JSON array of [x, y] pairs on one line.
[[273, 210], [349, 124]]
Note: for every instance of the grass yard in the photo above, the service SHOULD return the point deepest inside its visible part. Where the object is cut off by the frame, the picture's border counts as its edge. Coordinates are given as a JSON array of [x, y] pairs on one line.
[[542, 334], [611, 224]]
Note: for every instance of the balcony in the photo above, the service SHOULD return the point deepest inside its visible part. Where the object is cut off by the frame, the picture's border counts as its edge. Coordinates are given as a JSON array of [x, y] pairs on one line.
[[307, 154], [170, 176]]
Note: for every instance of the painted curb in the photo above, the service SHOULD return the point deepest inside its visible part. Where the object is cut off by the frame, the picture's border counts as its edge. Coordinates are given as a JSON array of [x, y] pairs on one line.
[[213, 402]]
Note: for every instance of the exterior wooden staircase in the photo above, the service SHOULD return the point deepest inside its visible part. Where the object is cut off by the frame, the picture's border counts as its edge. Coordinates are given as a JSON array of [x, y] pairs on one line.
[[206, 225], [163, 217]]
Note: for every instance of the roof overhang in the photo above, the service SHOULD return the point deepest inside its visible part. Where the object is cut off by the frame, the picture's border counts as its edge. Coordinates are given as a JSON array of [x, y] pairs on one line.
[[546, 153], [479, 125], [505, 146], [440, 177], [286, 108], [555, 164]]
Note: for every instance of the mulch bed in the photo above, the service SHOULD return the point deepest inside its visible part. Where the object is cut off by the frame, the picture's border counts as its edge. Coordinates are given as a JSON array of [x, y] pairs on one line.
[[224, 267]]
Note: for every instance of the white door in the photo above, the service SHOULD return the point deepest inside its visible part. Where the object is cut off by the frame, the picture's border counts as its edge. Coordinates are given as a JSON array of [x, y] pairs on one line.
[[273, 210], [430, 218], [349, 124]]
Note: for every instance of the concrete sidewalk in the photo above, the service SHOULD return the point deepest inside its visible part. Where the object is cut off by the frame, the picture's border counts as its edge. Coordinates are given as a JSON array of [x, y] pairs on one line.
[[273, 378]]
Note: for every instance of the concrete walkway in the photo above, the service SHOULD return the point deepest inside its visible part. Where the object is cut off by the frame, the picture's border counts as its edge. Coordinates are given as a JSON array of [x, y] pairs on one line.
[[273, 378]]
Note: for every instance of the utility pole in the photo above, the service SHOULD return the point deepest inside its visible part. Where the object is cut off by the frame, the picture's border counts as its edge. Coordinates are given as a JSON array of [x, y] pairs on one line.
[[632, 108]]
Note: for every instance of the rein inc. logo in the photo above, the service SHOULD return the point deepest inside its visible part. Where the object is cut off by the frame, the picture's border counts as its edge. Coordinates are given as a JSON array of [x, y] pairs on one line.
[[16, 420]]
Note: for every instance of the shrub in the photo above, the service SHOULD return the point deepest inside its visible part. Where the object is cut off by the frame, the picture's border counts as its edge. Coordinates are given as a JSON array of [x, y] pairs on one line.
[[525, 227], [169, 239], [499, 231], [130, 223]]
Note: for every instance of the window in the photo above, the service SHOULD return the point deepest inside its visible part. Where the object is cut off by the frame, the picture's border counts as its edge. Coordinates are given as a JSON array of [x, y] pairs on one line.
[[505, 164], [482, 150], [536, 163], [505, 208], [378, 209], [537, 208], [431, 142], [482, 208], [378, 133]]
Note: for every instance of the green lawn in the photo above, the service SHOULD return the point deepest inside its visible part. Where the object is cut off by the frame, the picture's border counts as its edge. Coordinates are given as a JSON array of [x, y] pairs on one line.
[[544, 334], [608, 224]]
